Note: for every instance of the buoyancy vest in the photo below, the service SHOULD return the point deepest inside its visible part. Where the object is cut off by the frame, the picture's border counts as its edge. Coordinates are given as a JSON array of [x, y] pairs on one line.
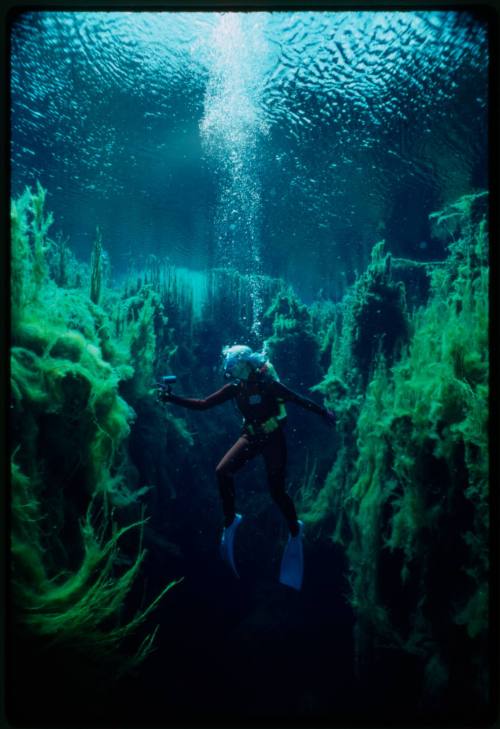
[[261, 409]]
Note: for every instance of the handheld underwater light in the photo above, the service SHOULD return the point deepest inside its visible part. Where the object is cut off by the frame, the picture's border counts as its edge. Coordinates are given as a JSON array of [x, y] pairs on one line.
[[166, 382]]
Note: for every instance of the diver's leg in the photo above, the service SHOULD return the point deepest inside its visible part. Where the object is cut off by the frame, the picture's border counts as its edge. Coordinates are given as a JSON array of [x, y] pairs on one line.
[[275, 456], [236, 457]]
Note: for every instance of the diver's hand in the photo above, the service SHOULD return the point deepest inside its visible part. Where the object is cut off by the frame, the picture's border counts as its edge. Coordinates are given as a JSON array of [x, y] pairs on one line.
[[330, 417], [163, 394]]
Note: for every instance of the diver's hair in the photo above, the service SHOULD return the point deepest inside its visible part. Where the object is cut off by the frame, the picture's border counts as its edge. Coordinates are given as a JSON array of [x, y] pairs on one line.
[[246, 353], [257, 360]]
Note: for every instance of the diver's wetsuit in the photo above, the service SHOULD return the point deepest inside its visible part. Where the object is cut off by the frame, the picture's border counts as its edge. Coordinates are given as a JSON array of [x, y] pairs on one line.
[[260, 401]]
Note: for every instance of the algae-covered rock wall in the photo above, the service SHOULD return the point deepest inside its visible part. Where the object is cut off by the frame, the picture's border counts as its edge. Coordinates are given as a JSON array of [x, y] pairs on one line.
[[73, 483], [407, 495]]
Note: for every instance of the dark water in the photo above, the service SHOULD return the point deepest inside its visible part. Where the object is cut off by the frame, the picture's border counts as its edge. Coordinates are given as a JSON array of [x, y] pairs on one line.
[[261, 146]]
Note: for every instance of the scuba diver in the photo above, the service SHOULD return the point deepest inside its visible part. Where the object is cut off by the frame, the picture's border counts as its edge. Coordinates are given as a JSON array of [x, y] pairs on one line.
[[260, 397]]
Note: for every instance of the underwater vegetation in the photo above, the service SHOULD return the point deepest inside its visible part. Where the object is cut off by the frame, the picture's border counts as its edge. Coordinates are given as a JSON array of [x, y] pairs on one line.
[[401, 488], [71, 474], [407, 495], [293, 346]]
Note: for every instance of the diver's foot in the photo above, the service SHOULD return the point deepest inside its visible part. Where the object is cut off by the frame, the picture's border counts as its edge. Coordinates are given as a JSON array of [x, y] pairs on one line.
[[227, 542], [292, 563]]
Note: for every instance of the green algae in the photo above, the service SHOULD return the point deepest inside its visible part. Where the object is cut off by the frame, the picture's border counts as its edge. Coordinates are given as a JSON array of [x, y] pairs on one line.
[[74, 607], [408, 492], [96, 268], [293, 346], [70, 426]]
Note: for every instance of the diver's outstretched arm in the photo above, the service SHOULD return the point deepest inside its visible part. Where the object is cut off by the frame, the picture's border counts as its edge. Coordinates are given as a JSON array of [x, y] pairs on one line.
[[216, 398], [284, 393]]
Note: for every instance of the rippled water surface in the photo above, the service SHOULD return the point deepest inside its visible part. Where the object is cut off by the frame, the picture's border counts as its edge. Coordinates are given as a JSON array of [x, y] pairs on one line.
[[284, 143]]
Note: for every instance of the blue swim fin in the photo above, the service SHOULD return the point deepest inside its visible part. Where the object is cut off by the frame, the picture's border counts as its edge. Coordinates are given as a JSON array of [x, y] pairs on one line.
[[227, 543], [292, 563]]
